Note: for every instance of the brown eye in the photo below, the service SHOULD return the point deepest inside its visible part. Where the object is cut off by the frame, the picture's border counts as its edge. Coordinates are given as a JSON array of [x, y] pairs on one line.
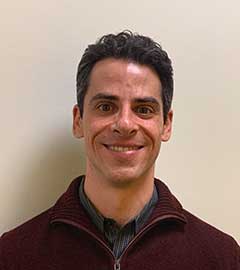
[[104, 107], [144, 110]]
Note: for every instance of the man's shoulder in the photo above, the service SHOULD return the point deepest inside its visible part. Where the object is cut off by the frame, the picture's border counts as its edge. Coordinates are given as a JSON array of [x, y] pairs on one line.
[[211, 241], [29, 230], [197, 231], [205, 231], [38, 228]]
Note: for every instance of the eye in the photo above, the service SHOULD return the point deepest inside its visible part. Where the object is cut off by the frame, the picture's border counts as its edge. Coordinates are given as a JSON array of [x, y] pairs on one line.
[[144, 110], [105, 107]]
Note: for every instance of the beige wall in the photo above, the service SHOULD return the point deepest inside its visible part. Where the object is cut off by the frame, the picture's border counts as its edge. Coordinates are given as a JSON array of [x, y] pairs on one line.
[[41, 44]]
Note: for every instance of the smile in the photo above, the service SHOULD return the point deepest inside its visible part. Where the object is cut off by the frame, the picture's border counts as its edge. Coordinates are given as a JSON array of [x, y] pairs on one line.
[[116, 148]]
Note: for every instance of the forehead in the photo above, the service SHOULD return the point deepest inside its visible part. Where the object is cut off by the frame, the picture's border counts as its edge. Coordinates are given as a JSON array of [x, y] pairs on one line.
[[124, 77]]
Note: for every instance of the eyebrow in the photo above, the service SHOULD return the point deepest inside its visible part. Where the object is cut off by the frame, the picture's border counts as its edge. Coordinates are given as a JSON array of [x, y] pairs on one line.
[[103, 96], [147, 100]]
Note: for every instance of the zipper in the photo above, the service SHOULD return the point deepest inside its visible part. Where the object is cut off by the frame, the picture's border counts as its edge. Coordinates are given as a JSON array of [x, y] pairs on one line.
[[117, 265]]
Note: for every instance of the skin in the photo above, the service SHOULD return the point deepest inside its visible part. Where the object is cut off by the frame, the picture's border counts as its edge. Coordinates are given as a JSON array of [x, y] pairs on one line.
[[123, 128]]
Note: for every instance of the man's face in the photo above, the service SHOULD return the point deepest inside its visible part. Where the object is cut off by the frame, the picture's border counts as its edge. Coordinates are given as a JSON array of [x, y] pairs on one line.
[[122, 121]]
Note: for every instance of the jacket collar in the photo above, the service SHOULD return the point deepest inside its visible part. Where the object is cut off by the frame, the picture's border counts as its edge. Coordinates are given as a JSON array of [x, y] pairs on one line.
[[68, 208], [167, 207]]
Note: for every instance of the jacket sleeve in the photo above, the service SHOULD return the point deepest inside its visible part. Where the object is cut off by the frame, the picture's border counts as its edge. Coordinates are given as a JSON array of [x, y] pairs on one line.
[[1, 254], [237, 258]]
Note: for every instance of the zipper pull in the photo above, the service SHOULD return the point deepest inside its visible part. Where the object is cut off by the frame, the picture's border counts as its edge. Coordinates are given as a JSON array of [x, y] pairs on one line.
[[117, 265]]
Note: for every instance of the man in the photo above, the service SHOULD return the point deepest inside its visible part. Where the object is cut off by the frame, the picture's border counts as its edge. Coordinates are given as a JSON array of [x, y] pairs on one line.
[[118, 216]]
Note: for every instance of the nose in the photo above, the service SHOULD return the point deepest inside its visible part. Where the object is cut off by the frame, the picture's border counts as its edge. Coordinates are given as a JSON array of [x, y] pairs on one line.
[[125, 123]]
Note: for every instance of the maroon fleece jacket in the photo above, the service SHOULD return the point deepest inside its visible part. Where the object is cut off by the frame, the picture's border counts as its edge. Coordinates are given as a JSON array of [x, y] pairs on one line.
[[64, 237]]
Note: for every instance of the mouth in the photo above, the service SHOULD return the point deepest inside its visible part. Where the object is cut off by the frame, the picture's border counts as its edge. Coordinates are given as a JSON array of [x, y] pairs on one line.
[[119, 148]]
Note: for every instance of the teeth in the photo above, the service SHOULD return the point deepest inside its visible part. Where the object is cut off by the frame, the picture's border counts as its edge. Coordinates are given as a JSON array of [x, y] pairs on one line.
[[122, 149]]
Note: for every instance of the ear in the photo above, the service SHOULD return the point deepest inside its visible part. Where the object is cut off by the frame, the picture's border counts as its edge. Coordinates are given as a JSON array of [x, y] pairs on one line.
[[77, 127], [167, 127]]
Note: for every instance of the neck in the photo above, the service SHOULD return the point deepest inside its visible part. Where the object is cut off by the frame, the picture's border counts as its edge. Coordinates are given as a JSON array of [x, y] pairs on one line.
[[119, 202]]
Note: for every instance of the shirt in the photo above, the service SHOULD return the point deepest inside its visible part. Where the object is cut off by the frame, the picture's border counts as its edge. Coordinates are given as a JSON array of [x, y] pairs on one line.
[[118, 237]]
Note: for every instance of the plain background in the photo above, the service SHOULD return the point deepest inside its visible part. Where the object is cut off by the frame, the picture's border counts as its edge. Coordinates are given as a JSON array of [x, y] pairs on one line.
[[41, 44]]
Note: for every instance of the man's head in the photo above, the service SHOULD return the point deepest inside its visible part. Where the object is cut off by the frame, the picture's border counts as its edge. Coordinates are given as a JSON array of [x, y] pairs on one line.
[[127, 46], [125, 89]]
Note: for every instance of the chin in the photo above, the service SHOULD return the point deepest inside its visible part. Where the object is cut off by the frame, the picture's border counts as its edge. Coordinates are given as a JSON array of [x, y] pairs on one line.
[[125, 178]]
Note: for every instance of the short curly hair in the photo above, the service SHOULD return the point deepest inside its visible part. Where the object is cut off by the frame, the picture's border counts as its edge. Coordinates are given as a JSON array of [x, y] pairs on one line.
[[130, 46]]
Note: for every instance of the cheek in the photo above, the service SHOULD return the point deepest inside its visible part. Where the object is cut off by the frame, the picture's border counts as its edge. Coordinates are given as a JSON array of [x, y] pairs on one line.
[[153, 131], [95, 130]]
